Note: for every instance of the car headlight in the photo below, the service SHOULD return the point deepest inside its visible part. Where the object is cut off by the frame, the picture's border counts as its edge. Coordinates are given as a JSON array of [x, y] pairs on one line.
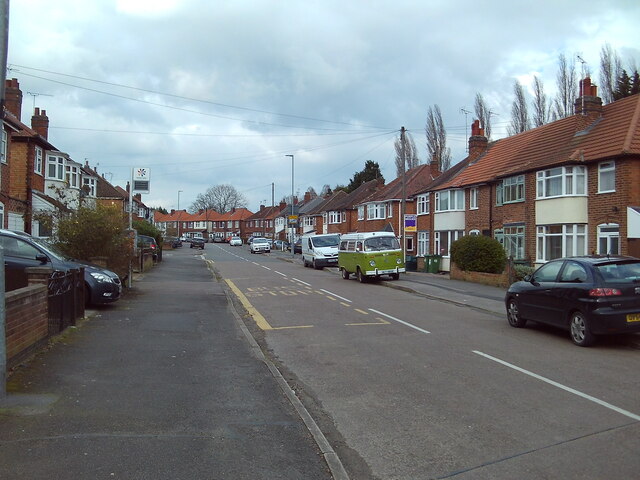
[[398, 261], [101, 277], [372, 263]]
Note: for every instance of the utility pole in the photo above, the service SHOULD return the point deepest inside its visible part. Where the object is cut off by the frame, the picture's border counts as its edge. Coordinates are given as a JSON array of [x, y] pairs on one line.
[[404, 194], [293, 250], [4, 41], [273, 206]]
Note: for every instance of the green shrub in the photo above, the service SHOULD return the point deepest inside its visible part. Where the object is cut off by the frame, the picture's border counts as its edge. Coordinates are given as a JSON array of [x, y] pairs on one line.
[[522, 271], [476, 253]]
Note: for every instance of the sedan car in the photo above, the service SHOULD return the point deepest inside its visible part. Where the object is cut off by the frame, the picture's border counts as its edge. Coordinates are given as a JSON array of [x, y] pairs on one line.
[[20, 251], [280, 245], [197, 242], [588, 296], [259, 245], [235, 241]]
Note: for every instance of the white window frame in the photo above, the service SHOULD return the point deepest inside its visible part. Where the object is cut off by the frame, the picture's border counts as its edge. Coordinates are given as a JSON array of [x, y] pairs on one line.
[[473, 199], [409, 243], [72, 176], [360, 212], [513, 189], [58, 164], [91, 183], [514, 241], [423, 204], [606, 175], [334, 217], [446, 238], [309, 221], [561, 182], [423, 243], [609, 238], [450, 200], [3, 148], [37, 160], [343, 216], [573, 241], [389, 208], [376, 211]]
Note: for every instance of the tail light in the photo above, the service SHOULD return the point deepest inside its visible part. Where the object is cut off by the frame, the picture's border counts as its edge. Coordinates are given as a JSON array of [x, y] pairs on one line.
[[604, 292]]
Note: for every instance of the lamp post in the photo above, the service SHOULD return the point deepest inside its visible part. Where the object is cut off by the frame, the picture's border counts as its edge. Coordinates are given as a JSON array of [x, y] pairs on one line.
[[179, 192], [293, 251]]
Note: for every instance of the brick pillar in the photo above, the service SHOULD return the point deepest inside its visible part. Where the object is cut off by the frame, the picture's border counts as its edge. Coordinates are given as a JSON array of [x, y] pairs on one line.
[[39, 275]]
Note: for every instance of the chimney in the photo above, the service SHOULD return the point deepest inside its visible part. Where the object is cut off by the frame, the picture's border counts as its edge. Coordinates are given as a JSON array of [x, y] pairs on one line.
[[172, 211], [40, 123], [13, 97], [262, 207], [307, 197], [282, 205], [477, 141], [434, 170], [127, 187], [588, 103], [138, 196]]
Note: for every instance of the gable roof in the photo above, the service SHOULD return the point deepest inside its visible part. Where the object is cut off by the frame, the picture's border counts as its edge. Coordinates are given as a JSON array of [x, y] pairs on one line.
[[577, 139], [416, 179]]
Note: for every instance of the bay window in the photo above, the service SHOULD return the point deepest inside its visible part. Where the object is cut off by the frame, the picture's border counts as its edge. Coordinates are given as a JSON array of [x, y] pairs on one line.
[[376, 211], [561, 181], [449, 200], [556, 241]]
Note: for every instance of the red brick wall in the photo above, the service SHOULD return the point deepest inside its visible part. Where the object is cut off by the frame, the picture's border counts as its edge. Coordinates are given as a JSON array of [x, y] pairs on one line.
[[26, 321]]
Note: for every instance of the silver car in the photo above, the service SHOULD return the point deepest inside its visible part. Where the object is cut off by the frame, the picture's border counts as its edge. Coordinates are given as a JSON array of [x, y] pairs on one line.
[[259, 245]]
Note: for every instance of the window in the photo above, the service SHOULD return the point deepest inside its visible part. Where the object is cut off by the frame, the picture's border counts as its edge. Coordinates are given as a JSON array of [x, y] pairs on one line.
[[1, 215], [423, 243], [556, 241], [343, 216], [376, 211], [548, 273], [3, 147], [229, 224], [444, 239], [55, 167], [72, 176], [409, 243], [309, 221], [513, 189], [513, 241], [423, 204], [609, 239], [606, 177], [562, 181], [499, 189], [390, 210], [361, 212], [449, 200], [237, 223], [474, 233], [473, 199], [37, 161], [573, 272], [334, 217]]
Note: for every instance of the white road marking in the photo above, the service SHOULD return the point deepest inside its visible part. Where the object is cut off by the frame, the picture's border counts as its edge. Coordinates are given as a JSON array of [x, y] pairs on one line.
[[337, 296], [304, 283], [399, 321], [280, 273], [563, 387], [266, 268]]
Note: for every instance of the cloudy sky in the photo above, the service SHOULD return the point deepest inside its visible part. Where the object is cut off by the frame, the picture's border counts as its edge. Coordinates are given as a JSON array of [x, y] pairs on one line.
[[206, 92]]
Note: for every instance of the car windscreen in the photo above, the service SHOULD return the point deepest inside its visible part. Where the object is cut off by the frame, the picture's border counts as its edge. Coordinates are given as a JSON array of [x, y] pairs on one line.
[[260, 240], [620, 272], [377, 244], [331, 241], [51, 249]]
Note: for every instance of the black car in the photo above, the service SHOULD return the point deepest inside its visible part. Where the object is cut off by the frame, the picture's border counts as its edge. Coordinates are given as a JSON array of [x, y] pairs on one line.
[[197, 242], [21, 251], [588, 296], [297, 246]]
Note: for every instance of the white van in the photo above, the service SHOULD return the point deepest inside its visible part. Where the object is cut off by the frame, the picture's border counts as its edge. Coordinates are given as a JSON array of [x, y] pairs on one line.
[[320, 251]]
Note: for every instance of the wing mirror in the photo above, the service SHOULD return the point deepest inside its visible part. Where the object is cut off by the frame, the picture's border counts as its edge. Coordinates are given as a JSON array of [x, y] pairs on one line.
[[42, 258]]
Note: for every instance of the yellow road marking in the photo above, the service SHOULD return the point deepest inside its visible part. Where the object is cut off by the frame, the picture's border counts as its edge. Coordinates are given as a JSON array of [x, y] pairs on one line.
[[381, 322], [361, 311], [345, 304], [331, 298], [257, 316]]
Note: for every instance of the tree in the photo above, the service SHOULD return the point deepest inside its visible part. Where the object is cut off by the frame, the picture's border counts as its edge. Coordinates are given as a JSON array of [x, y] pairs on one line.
[[371, 171], [410, 153], [312, 192], [161, 210], [326, 190], [221, 198], [519, 114], [540, 109], [483, 114], [623, 86], [610, 72], [635, 83], [437, 139], [567, 84]]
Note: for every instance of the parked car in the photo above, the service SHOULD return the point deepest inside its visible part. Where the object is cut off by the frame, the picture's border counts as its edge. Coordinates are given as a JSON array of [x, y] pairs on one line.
[[235, 241], [218, 239], [259, 245], [21, 251], [197, 242], [280, 245], [175, 242], [297, 246], [149, 243], [588, 296]]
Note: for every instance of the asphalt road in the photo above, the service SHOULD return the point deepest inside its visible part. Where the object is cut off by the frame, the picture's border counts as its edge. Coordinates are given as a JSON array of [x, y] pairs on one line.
[[406, 387]]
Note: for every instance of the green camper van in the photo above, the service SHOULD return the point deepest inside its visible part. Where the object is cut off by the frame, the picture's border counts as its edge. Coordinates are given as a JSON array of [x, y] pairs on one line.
[[369, 255]]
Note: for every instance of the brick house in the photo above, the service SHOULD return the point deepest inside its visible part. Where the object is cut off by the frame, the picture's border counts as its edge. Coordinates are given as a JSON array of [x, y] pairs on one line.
[[569, 187], [262, 223], [342, 213]]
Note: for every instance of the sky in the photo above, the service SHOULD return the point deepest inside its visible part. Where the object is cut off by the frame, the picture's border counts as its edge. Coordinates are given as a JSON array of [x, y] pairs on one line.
[[209, 92]]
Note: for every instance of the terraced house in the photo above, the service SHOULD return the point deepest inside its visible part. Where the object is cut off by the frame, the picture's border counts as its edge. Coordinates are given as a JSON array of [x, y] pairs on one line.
[[570, 187]]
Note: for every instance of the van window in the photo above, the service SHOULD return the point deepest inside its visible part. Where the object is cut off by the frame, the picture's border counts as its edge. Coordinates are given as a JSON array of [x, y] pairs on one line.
[[331, 241], [377, 244], [343, 245], [358, 246]]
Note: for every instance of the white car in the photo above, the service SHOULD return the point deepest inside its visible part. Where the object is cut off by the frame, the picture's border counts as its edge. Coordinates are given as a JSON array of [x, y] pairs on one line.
[[235, 241], [260, 244]]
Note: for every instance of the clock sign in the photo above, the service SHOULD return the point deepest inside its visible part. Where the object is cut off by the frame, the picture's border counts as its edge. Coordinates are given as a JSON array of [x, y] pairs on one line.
[[141, 180]]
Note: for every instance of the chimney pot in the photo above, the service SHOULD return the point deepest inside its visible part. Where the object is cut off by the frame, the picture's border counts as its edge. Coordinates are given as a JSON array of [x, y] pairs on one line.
[[40, 123]]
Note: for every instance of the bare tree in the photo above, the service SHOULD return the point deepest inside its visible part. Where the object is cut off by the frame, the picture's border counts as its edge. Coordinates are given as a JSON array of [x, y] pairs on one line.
[[221, 198], [540, 100], [610, 72], [437, 139], [312, 192], [519, 114], [326, 190], [410, 153], [483, 114], [567, 85]]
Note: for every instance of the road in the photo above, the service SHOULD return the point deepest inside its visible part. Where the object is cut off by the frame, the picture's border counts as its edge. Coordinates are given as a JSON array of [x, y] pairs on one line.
[[411, 388]]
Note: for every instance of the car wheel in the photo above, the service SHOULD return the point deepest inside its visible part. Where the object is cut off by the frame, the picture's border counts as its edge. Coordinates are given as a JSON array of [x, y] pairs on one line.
[[361, 278], [579, 328], [395, 276], [315, 265], [513, 314], [345, 274]]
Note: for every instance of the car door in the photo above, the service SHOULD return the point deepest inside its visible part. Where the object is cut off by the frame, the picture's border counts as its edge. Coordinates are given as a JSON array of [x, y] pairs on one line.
[[18, 255], [538, 301], [573, 280]]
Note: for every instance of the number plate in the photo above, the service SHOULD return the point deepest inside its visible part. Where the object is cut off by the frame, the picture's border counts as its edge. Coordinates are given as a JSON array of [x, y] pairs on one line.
[[633, 317]]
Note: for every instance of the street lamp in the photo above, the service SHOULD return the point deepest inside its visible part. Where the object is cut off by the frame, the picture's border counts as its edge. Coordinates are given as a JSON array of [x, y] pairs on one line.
[[293, 251], [178, 209]]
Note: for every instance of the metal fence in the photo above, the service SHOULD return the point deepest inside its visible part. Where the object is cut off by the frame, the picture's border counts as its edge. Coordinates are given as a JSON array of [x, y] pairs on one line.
[[66, 299]]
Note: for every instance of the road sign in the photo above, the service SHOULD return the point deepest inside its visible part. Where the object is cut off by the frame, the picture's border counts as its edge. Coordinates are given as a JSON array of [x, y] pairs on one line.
[[410, 223]]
